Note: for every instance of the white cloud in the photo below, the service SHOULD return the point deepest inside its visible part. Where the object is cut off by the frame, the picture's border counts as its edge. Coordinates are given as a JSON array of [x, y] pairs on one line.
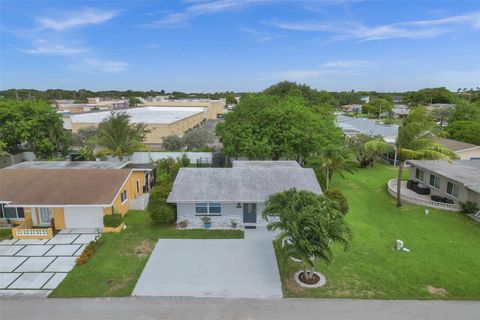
[[348, 64], [93, 65], [79, 18], [419, 29], [44, 48], [201, 8], [260, 36]]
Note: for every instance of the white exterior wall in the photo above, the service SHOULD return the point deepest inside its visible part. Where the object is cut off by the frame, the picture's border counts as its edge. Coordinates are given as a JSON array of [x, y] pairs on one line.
[[186, 211], [147, 157]]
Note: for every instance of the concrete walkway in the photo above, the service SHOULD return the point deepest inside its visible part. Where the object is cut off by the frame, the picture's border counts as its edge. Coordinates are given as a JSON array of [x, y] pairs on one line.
[[238, 268], [38, 266], [145, 308]]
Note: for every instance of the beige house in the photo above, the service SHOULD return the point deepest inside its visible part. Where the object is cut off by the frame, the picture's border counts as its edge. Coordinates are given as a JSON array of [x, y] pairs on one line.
[[213, 107], [457, 181], [464, 151], [161, 122]]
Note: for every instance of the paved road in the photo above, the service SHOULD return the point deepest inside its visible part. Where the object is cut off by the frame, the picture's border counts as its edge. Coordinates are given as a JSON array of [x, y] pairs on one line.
[[145, 308]]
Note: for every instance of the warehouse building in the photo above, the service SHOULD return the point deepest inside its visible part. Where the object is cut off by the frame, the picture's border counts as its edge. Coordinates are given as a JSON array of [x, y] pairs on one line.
[[214, 108], [161, 122]]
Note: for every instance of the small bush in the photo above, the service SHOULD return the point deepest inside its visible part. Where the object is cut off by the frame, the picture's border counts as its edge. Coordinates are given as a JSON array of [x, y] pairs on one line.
[[87, 253], [469, 207], [234, 224], [339, 200], [206, 220], [159, 210], [182, 224], [112, 220]]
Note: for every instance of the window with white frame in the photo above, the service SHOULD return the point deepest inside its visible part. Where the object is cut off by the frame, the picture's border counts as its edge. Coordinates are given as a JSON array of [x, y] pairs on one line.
[[419, 174], [434, 181], [208, 208], [123, 196], [452, 189], [11, 212]]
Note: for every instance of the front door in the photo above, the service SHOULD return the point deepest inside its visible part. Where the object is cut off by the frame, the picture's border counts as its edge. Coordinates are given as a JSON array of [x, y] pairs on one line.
[[249, 213], [45, 216]]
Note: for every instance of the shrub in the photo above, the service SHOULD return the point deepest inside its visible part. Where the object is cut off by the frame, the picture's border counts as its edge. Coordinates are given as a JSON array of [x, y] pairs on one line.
[[159, 210], [206, 220], [182, 224], [87, 253], [112, 220], [469, 207], [234, 224], [338, 199]]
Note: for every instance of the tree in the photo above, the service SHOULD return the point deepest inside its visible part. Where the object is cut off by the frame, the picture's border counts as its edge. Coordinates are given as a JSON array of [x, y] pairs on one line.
[[309, 224], [313, 97], [83, 137], [33, 126], [198, 138], [333, 159], [466, 111], [415, 140], [466, 131], [366, 158], [442, 115], [132, 102], [158, 209], [118, 137], [267, 127], [377, 107], [2, 149], [168, 168], [230, 99], [173, 142]]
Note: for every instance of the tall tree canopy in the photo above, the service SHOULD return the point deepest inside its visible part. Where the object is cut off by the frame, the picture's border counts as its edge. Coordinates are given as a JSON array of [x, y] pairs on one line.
[[118, 137], [377, 107], [33, 126], [313, 97], [269, 127]]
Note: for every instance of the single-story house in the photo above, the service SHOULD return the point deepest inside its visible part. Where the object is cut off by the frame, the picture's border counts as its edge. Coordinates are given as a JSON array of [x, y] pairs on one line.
[[463, 150], [457, 181], [67, 198], [400, 111], [352, 108], [353, 126], [235, 194]]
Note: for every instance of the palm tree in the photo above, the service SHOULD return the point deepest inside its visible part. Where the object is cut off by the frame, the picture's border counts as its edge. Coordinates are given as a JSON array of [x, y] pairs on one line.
[[118, 137], [415, 140], [309, 223], [335, 159]]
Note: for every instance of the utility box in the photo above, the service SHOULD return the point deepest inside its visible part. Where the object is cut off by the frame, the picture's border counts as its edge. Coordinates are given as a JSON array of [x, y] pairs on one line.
[[398, 245]]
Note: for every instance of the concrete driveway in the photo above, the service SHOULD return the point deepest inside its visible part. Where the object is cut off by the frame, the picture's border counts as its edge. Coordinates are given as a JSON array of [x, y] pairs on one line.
[[235, 268], [38, 266]]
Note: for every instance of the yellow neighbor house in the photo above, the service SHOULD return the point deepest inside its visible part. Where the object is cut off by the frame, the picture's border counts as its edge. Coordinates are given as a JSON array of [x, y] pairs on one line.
[[40, 200]]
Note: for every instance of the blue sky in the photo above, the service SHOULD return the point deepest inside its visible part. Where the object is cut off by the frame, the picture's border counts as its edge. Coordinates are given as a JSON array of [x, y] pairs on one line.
[[239, 45]]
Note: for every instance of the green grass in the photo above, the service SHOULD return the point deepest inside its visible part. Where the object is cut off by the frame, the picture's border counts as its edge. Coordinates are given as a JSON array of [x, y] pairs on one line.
[[5, 234], [117, 264], [444, 249]]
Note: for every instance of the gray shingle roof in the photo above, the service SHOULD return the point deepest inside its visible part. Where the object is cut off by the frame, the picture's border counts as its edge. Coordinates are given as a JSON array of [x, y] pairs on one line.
[[240, 184], [366, 126], [455, 145], [265, 164], [466, 172]]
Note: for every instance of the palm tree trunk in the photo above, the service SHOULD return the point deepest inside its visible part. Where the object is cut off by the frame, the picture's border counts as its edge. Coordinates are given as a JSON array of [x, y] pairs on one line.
[[399, 183], [327, 177], [305, 274]]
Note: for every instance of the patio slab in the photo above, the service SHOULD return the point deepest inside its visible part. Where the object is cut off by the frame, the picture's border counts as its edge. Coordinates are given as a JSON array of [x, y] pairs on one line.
[[31, 281], [35, 264], [7, 278], [9, 250], [62, 264], [63, 239], [55, 281], [31, 241], [8, 264], [8, 241], [34, 250], [63, 250], [85, 238]]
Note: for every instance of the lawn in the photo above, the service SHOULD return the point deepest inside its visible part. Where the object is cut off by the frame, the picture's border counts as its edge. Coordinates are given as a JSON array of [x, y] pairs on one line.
[[444, 261], [117, 264], [5, 234]]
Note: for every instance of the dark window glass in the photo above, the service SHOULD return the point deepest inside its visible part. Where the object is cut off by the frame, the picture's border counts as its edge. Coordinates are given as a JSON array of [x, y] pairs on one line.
[[10, 213], [20, 213]]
